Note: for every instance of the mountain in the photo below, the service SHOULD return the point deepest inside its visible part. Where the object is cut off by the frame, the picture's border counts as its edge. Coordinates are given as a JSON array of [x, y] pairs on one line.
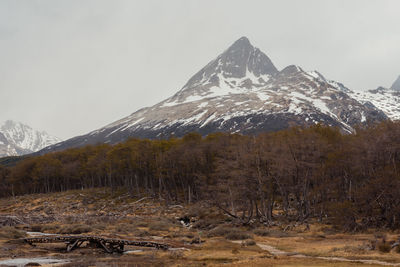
[[385, 99], [18, 139], [240, 91], [396, 85]]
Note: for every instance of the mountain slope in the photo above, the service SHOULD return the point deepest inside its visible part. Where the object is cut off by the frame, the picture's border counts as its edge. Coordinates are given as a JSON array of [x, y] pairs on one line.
[[19, 139], [396, 85], [240, 91]]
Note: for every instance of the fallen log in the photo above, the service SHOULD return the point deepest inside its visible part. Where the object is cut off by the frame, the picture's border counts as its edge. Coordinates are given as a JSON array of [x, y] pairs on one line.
[[109, 245]]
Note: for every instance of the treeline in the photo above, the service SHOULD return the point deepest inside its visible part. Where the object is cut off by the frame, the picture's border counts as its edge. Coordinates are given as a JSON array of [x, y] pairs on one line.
[[295, 174]]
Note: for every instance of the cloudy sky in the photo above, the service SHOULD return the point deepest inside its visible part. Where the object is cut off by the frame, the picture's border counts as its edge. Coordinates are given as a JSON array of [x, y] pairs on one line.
[[72, 66]]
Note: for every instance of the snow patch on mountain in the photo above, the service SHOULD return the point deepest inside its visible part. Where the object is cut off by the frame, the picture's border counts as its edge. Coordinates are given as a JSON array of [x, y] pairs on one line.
[[387, 100]]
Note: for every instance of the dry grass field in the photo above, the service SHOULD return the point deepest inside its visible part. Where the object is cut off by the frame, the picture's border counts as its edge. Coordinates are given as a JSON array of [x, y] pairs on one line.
[[210, 240]]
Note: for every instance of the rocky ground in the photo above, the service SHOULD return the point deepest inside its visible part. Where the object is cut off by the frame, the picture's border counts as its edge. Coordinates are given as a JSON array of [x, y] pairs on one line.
[[208, 239]]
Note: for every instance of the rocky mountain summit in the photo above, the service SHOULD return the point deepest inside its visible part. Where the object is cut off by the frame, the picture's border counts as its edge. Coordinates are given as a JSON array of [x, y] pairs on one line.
[[18, 139], [241, 91]]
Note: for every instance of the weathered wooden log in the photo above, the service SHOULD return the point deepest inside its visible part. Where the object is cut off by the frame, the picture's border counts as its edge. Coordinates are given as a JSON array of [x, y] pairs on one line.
[[108, 250], [72, 245], [109, 245]]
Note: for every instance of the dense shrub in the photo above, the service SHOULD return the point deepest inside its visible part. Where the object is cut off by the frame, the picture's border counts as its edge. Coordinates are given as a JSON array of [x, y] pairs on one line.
[[75, 229], [159, 226], [9, 232], [45, 228], [100, 226], [230, 233], [238, 235], [261, 232], [206, 223], [384, 247]]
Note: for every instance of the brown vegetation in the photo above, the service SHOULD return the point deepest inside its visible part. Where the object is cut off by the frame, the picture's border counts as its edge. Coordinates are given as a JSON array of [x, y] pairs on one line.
[[75, 229], [209, 246], [8, 232], [295, 175], [230, 233]]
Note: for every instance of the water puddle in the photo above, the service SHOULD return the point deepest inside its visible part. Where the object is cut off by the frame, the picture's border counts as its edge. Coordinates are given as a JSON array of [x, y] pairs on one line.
[[37, 234], [20, 262], [175, 249], [133, 251]]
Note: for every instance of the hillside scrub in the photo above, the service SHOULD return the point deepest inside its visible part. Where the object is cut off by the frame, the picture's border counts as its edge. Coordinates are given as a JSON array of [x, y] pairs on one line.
[[351, 181]]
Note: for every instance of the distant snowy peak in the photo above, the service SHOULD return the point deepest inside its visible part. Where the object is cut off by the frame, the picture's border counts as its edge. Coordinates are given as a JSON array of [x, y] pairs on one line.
[[396, 85], [17, 139], [386, 99]]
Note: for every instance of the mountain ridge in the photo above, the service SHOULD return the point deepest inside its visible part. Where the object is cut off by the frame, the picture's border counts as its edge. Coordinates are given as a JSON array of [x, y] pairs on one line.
[[240, 91]]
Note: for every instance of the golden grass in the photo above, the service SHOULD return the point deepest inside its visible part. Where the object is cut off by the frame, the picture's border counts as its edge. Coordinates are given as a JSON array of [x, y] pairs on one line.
[[293, 262], [134, 218], [219, 250], [352, 246]]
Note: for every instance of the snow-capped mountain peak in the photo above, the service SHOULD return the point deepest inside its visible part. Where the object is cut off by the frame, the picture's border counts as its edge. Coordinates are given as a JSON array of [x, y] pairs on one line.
[[239, 68], [240, 60], [18, 139], [240, 91]]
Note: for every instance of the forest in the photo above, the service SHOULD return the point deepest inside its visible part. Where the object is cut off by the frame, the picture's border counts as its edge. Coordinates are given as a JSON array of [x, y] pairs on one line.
[[298, 174]]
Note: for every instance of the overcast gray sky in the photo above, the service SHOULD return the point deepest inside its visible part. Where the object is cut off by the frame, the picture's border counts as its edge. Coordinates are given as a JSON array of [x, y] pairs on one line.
[[72, 66]]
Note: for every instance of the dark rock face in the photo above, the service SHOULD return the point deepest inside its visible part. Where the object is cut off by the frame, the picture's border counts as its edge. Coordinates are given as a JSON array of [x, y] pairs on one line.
[[242, 57], [239, 58]]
